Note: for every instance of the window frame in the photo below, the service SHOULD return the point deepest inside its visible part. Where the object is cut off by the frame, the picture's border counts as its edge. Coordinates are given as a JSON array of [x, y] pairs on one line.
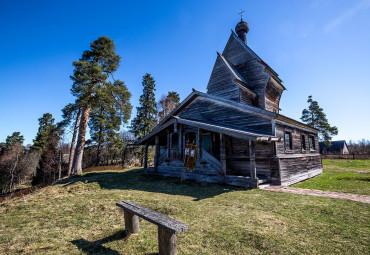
[[290, 148], [303, 142], [313, 147]]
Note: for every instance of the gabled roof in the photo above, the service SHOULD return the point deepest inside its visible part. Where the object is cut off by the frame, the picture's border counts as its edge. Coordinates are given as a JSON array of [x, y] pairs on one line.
[[335, 145], [252, 53], [237, 76], [170, 118], [197, 93], [245, 46]]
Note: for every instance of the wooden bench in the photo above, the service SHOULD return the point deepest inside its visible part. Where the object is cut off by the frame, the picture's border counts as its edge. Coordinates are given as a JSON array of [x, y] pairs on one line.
[[167, 227]]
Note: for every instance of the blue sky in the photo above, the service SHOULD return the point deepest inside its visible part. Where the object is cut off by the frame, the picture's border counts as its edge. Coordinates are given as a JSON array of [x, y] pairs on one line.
[[318, 48]]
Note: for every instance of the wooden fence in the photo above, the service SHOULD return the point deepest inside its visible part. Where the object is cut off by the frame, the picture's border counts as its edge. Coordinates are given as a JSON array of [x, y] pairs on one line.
[[345, 156]]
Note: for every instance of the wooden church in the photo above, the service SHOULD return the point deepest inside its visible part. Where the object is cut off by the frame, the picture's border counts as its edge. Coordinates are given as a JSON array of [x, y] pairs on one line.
[[241, 137]]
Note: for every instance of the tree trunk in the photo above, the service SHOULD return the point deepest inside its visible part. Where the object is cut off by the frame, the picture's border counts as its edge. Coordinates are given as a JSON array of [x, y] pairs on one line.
[[72, 149], [99, 146], [77, 161], [60, 165]]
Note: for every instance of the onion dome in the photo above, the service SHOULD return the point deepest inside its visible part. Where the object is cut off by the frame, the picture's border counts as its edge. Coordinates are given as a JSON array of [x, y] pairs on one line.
[[241, 30]]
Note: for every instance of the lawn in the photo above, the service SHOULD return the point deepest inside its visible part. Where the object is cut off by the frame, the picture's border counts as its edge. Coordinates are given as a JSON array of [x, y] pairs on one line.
[[79, 216], [343, 175]]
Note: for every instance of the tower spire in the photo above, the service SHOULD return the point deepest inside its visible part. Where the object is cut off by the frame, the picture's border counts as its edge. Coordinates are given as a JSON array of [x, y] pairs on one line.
[[242, 28], [241, 14]]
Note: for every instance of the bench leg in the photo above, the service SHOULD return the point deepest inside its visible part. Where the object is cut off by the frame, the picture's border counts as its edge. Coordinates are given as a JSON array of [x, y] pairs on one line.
[[167, 242], [132, 225]]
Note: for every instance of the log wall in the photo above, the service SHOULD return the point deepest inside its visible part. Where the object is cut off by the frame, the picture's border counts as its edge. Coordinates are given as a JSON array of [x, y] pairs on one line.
[[293, 170], [296, 140]]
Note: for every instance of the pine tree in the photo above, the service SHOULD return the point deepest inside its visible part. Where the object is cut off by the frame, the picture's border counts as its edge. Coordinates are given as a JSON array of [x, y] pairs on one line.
[[145, 119], [167, 104], [71, 112], [315, 117], [106, 119], [46, 125], [48, 165], [15, 138], [89, 76]]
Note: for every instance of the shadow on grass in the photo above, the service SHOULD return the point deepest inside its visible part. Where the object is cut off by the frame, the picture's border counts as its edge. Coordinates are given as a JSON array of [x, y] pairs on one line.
[[96, 247], [137, 180]]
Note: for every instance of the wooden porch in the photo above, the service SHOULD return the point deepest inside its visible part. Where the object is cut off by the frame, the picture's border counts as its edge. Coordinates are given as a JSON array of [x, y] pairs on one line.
[[212, 159]]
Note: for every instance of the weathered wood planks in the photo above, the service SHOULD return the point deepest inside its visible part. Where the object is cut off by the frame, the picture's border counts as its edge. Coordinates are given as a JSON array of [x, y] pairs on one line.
[[167, 227]]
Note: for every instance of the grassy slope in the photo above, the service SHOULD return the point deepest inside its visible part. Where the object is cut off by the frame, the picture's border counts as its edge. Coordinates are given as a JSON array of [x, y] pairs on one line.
[[350, 176], [79, 216]]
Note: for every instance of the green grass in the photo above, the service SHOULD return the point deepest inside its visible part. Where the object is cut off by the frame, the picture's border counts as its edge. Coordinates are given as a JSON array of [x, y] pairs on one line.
[[79, 216], [343, 175]]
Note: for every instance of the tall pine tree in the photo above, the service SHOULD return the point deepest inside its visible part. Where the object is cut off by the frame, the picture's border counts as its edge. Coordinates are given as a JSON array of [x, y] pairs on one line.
[[71, 113], [106, 119], [145, 119], [91, 73], [46, 125], [314, 116]]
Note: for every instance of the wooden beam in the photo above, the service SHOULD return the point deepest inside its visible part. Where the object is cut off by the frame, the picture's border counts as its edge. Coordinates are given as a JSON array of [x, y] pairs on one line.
[[199, 143], [166, 242], [168, 143], [175, 126], [252, 161], [132, 224], [146, 155], [223, 154], [156, 157], [180, 141]]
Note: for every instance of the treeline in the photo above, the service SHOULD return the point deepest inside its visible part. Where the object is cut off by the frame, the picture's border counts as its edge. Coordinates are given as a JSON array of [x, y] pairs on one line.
[[361, 147], [102, 103]]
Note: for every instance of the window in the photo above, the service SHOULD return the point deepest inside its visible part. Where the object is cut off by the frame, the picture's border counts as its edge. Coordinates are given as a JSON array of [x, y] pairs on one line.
[[303, 142], [288, 140], [311, 140]]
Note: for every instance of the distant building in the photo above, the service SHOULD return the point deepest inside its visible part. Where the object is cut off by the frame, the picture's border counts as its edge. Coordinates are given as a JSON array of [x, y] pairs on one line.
[[337, 147]]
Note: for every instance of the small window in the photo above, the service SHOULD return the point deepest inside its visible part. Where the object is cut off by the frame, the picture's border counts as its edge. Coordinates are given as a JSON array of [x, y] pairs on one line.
[[311, 140], [288, 140], [303, 142]]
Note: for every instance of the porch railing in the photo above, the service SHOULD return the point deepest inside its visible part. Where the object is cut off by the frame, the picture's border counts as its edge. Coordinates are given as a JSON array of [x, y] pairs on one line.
[[162, 158], [211, 160]]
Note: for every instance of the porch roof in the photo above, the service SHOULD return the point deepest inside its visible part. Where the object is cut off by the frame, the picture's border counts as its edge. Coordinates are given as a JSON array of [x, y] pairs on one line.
[[210, 127]]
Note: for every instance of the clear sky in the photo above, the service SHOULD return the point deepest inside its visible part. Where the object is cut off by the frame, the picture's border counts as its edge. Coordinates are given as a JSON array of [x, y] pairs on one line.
[[319, 48]]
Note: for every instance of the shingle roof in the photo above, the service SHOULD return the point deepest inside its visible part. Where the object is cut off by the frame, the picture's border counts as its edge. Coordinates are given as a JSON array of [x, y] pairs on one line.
[[335, 145]]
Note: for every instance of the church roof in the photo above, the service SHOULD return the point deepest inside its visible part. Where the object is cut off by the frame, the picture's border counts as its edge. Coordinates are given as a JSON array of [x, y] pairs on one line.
[[237, 127], [254, 55], [237, 76]]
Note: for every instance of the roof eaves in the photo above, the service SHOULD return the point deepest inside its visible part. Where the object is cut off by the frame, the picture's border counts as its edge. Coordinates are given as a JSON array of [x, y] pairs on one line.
[[288, 120], [228, 131]]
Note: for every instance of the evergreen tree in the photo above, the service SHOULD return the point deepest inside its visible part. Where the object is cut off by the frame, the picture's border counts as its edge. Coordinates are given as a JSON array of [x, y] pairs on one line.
[[175, 97], [106, 119], [11, 140], [71, 112], [47, 169], [145, 119], [90, 74], [46, 125], [315, 117], [167, 104]]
